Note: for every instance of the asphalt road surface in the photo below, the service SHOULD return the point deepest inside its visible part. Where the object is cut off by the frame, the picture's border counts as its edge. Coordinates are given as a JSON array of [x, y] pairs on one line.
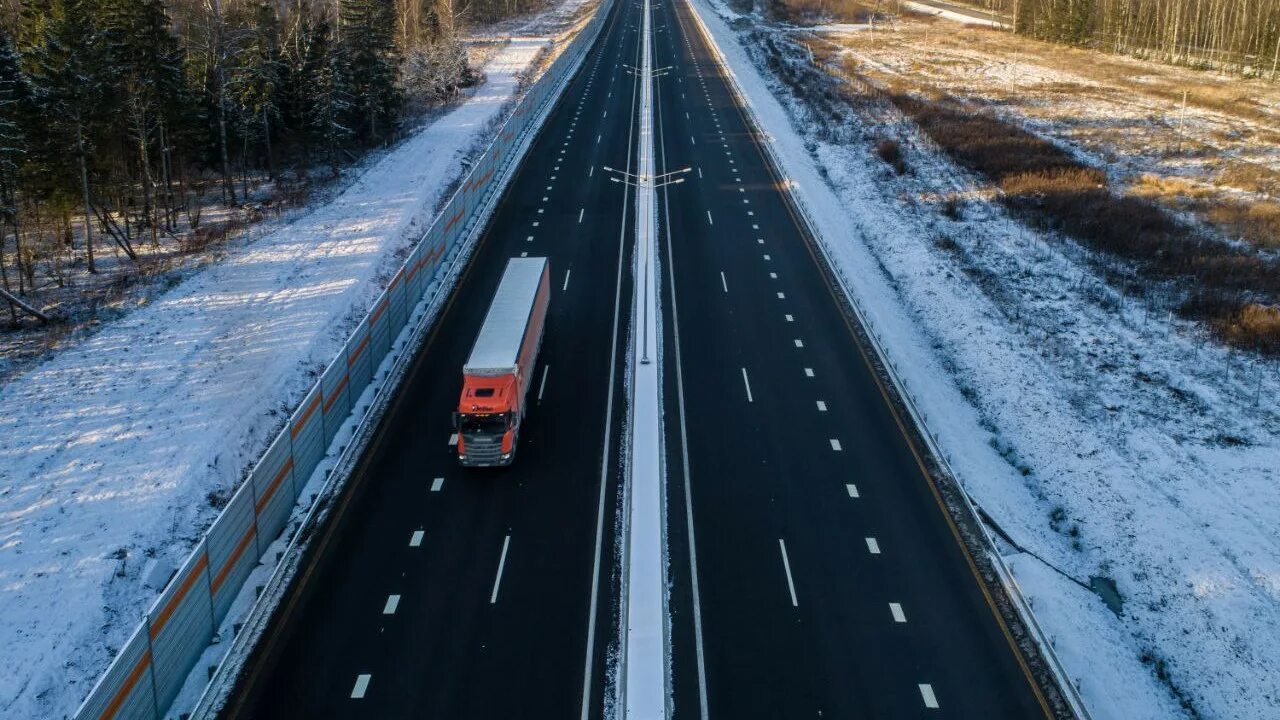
[[814, 573], [443, 592]]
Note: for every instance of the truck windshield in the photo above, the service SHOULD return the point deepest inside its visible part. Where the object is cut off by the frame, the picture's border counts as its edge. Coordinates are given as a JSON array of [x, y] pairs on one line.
[[488, 424]]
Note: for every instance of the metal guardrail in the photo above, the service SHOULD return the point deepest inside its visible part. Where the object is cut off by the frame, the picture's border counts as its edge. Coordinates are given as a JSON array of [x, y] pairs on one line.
[[1071, 694], [148, 672]]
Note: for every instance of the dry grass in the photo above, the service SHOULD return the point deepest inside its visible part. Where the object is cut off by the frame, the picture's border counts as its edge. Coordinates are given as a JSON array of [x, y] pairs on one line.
[[1250, 177], [819, 11], [1051, 190], [1256, 222]]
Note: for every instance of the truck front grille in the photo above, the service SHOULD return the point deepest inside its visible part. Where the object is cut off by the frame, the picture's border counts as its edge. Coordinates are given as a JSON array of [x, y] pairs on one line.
[[482, 449]]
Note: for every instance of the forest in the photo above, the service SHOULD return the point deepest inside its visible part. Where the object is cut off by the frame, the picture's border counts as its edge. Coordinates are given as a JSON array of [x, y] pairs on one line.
[[121, 121], [1238, 36]]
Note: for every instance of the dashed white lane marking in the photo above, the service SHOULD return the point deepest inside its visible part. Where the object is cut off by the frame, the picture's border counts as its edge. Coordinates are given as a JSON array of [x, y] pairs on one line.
[[597, 139], [799, 343], [853, 490], [896, 610], [782, 296], [808, 372], [747, 384], [536, 223], [415, 540], [524, 254], [541, 210], [822, 406], [709, 220], [529, 239], [724, 283], [692, 141], [699, 172], [873, 546], [926, 692], [502, 561], [543, 385], [773, 276], [591, 171], [566, 280], [362, 684], [786, 566], [453, 439], [835, 445], [393, 602], [437, 484], [759, 241], [789, 318], [767, 258], [580, 212]]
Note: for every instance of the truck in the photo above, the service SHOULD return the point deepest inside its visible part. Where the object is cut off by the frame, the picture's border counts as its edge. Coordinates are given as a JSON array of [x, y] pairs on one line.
[[497, 375]]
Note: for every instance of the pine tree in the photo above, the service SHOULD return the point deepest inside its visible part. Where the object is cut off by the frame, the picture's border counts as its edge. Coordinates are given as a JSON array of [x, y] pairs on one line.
[[255, 80], [68, 76], [144, 55], [371, 62], [15, 117]]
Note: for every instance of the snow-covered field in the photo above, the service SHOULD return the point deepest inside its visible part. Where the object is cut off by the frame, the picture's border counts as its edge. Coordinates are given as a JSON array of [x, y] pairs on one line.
[[1108, 440], [116, 453]]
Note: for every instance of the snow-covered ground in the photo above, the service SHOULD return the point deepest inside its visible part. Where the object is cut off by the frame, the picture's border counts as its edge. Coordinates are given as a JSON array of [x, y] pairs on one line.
[[116, 453], [1106, 439]]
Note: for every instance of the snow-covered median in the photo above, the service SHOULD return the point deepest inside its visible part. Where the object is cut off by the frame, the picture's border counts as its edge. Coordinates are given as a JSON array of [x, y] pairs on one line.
[[1106, 439], [115, 454]]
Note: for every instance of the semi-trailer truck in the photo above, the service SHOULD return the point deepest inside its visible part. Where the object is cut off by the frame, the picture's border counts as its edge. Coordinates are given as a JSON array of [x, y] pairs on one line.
[[496, 378]]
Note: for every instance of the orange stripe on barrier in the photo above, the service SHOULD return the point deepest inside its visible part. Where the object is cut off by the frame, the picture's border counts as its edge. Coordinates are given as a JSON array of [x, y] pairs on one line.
[[395, 279], [337, 390], [453, 221], [157, 625], [359, 349], [275, 485], [377, 313], [302, 421], [118, 699], [231, 561]]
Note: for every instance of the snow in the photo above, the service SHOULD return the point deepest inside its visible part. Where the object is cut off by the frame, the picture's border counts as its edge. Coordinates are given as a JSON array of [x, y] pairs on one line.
[[951, 15], [1108, 440], [122, 444], [645, 638], [497, 348]]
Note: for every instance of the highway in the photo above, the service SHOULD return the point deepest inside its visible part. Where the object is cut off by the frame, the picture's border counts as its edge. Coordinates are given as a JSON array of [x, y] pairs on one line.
[[478, 593], [814, 572], [829, 581]]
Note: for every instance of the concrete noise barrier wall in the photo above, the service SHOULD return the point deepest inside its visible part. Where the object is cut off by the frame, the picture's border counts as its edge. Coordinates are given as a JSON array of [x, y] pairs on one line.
[[150, 669]]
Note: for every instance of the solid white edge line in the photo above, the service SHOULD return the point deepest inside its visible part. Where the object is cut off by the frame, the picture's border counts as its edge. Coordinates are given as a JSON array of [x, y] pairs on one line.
[[786, 565], [589, 657], [694, 589], [502, 562]]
